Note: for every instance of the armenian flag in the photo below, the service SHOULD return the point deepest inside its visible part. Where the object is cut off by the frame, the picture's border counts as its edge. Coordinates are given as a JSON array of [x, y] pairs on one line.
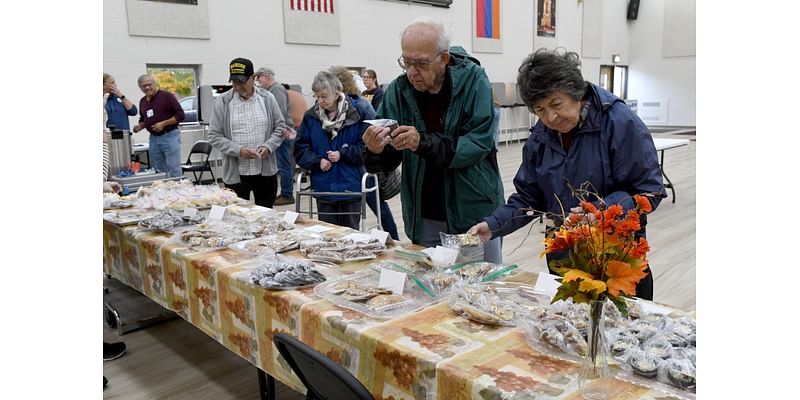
[[488, 16]]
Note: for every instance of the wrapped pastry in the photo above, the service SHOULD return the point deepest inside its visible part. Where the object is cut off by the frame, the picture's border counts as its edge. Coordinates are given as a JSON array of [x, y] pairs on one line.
[[681, 373], [658, 346], [686, 353], [642, 330], [552, 336], [623, 344], [644, 364], [383, 300]]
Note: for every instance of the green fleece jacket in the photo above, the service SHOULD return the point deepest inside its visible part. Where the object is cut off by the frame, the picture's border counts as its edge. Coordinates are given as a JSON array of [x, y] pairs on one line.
[[465, 150]]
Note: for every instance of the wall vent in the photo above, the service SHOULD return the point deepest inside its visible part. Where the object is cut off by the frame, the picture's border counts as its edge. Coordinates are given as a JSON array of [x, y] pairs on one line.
[[653, 111]]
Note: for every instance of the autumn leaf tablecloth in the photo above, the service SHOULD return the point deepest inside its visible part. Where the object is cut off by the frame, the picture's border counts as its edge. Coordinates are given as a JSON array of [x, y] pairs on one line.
[[429, 354]]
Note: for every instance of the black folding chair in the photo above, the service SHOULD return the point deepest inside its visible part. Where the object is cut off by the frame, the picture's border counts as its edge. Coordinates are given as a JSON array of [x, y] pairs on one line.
[[202, 147], [323, 378]]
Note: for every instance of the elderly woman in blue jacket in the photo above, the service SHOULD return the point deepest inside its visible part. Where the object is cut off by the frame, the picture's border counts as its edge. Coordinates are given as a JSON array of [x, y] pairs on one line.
[[329, 145], [584, 134]]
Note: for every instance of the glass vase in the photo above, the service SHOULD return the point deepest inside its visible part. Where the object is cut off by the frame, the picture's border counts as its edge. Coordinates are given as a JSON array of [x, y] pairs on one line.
[[594, 378]]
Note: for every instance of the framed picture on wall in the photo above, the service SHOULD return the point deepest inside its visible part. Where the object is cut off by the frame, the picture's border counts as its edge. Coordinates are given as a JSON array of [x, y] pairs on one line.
[[311, 22], [546, 21], [487, 26]]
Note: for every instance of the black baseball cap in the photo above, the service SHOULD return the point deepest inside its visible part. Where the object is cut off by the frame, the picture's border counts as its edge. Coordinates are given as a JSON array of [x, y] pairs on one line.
[[241, 69]]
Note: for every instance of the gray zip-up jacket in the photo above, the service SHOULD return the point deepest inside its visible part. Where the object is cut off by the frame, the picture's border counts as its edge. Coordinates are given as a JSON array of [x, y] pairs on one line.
[[219, 134]]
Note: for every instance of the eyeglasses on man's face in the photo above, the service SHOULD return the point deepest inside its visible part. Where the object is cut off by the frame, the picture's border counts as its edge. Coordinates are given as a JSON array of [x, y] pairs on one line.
[[406, 63]]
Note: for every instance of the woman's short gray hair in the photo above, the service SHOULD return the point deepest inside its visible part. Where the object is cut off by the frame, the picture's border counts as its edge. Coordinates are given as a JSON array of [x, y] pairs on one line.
[[442, 35], [547, 71], [327, 82]]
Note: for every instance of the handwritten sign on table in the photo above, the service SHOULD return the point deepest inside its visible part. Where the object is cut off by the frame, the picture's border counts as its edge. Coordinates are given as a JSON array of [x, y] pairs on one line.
[[290, 216], [379, 234], [392, 280], [546, 284], [190, 212], [216, 213], [318, 228]]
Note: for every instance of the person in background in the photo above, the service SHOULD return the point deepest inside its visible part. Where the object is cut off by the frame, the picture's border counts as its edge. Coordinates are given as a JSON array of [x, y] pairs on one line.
[[160, 113], [584, 134], [329, 145], [265, 78], [359, 82], [117, 106], [106, 138], [297, 105], [111, 351], [367, 112], [247, 127], [374, 93], [443, 104]]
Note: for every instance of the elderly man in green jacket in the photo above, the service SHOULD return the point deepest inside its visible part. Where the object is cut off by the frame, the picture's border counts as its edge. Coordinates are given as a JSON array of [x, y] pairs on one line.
[[443, 106]]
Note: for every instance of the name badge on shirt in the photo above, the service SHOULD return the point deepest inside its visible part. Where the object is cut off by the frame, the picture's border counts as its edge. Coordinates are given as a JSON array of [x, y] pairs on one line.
[[150, 113]]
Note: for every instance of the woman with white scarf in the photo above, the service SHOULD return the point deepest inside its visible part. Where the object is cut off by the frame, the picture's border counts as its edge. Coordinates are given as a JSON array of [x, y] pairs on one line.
[[329, 145]]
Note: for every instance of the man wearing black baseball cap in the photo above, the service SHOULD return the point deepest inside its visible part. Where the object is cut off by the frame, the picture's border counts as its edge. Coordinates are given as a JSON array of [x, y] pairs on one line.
[[247, 126], [241, 69]]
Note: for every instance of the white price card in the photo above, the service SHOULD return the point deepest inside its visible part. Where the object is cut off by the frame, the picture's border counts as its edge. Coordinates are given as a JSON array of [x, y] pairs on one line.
[[357, 237], [651, 308], [190, 213], [444, 256], [379, 234], [216, 213], [318, 228], [392, 280], [290, 216], [546, 284]]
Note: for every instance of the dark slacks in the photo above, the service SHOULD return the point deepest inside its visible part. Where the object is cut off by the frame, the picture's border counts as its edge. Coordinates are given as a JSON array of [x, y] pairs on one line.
[[349, 220], [263, 187]]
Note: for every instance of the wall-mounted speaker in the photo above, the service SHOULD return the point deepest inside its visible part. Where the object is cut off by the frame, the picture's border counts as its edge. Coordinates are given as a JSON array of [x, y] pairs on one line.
[[633, 9]]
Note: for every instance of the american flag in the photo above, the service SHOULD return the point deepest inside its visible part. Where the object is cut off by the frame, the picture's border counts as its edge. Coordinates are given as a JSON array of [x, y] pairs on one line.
[[323, 6]]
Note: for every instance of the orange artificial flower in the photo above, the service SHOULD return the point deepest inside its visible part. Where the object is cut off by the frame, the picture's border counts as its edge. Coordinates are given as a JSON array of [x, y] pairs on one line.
[[574, 219], [588, 207], [630, 223], [612, 212], [605, 260], [563, 240], [623, 278], [640, 249], [643, 203]]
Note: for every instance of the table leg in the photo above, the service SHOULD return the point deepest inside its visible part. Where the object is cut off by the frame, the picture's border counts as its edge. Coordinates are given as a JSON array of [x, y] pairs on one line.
[[266, 385], [669, 184]]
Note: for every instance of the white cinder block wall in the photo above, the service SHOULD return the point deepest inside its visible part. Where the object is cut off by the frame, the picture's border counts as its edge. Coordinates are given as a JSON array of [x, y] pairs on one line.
[[370, 32]]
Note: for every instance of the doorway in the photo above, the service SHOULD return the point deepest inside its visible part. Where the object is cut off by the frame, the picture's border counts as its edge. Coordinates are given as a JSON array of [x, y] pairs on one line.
[[614, 78]]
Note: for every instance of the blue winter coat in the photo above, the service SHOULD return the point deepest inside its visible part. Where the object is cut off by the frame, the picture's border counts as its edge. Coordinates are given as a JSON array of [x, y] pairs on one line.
[[313, 144], [613, 150]]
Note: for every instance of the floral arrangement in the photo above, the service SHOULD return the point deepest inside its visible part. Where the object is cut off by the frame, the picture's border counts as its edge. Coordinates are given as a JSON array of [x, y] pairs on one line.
[[605, 260]]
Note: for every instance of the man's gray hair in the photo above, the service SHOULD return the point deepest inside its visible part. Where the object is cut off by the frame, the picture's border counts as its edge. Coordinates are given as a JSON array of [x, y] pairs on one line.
[[327, 82], [442, 35], [145, 77], [265, 71]]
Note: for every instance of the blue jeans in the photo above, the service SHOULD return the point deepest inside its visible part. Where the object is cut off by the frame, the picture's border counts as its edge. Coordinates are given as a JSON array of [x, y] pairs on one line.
[[165, 153], [286, 167], [387, 220]]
